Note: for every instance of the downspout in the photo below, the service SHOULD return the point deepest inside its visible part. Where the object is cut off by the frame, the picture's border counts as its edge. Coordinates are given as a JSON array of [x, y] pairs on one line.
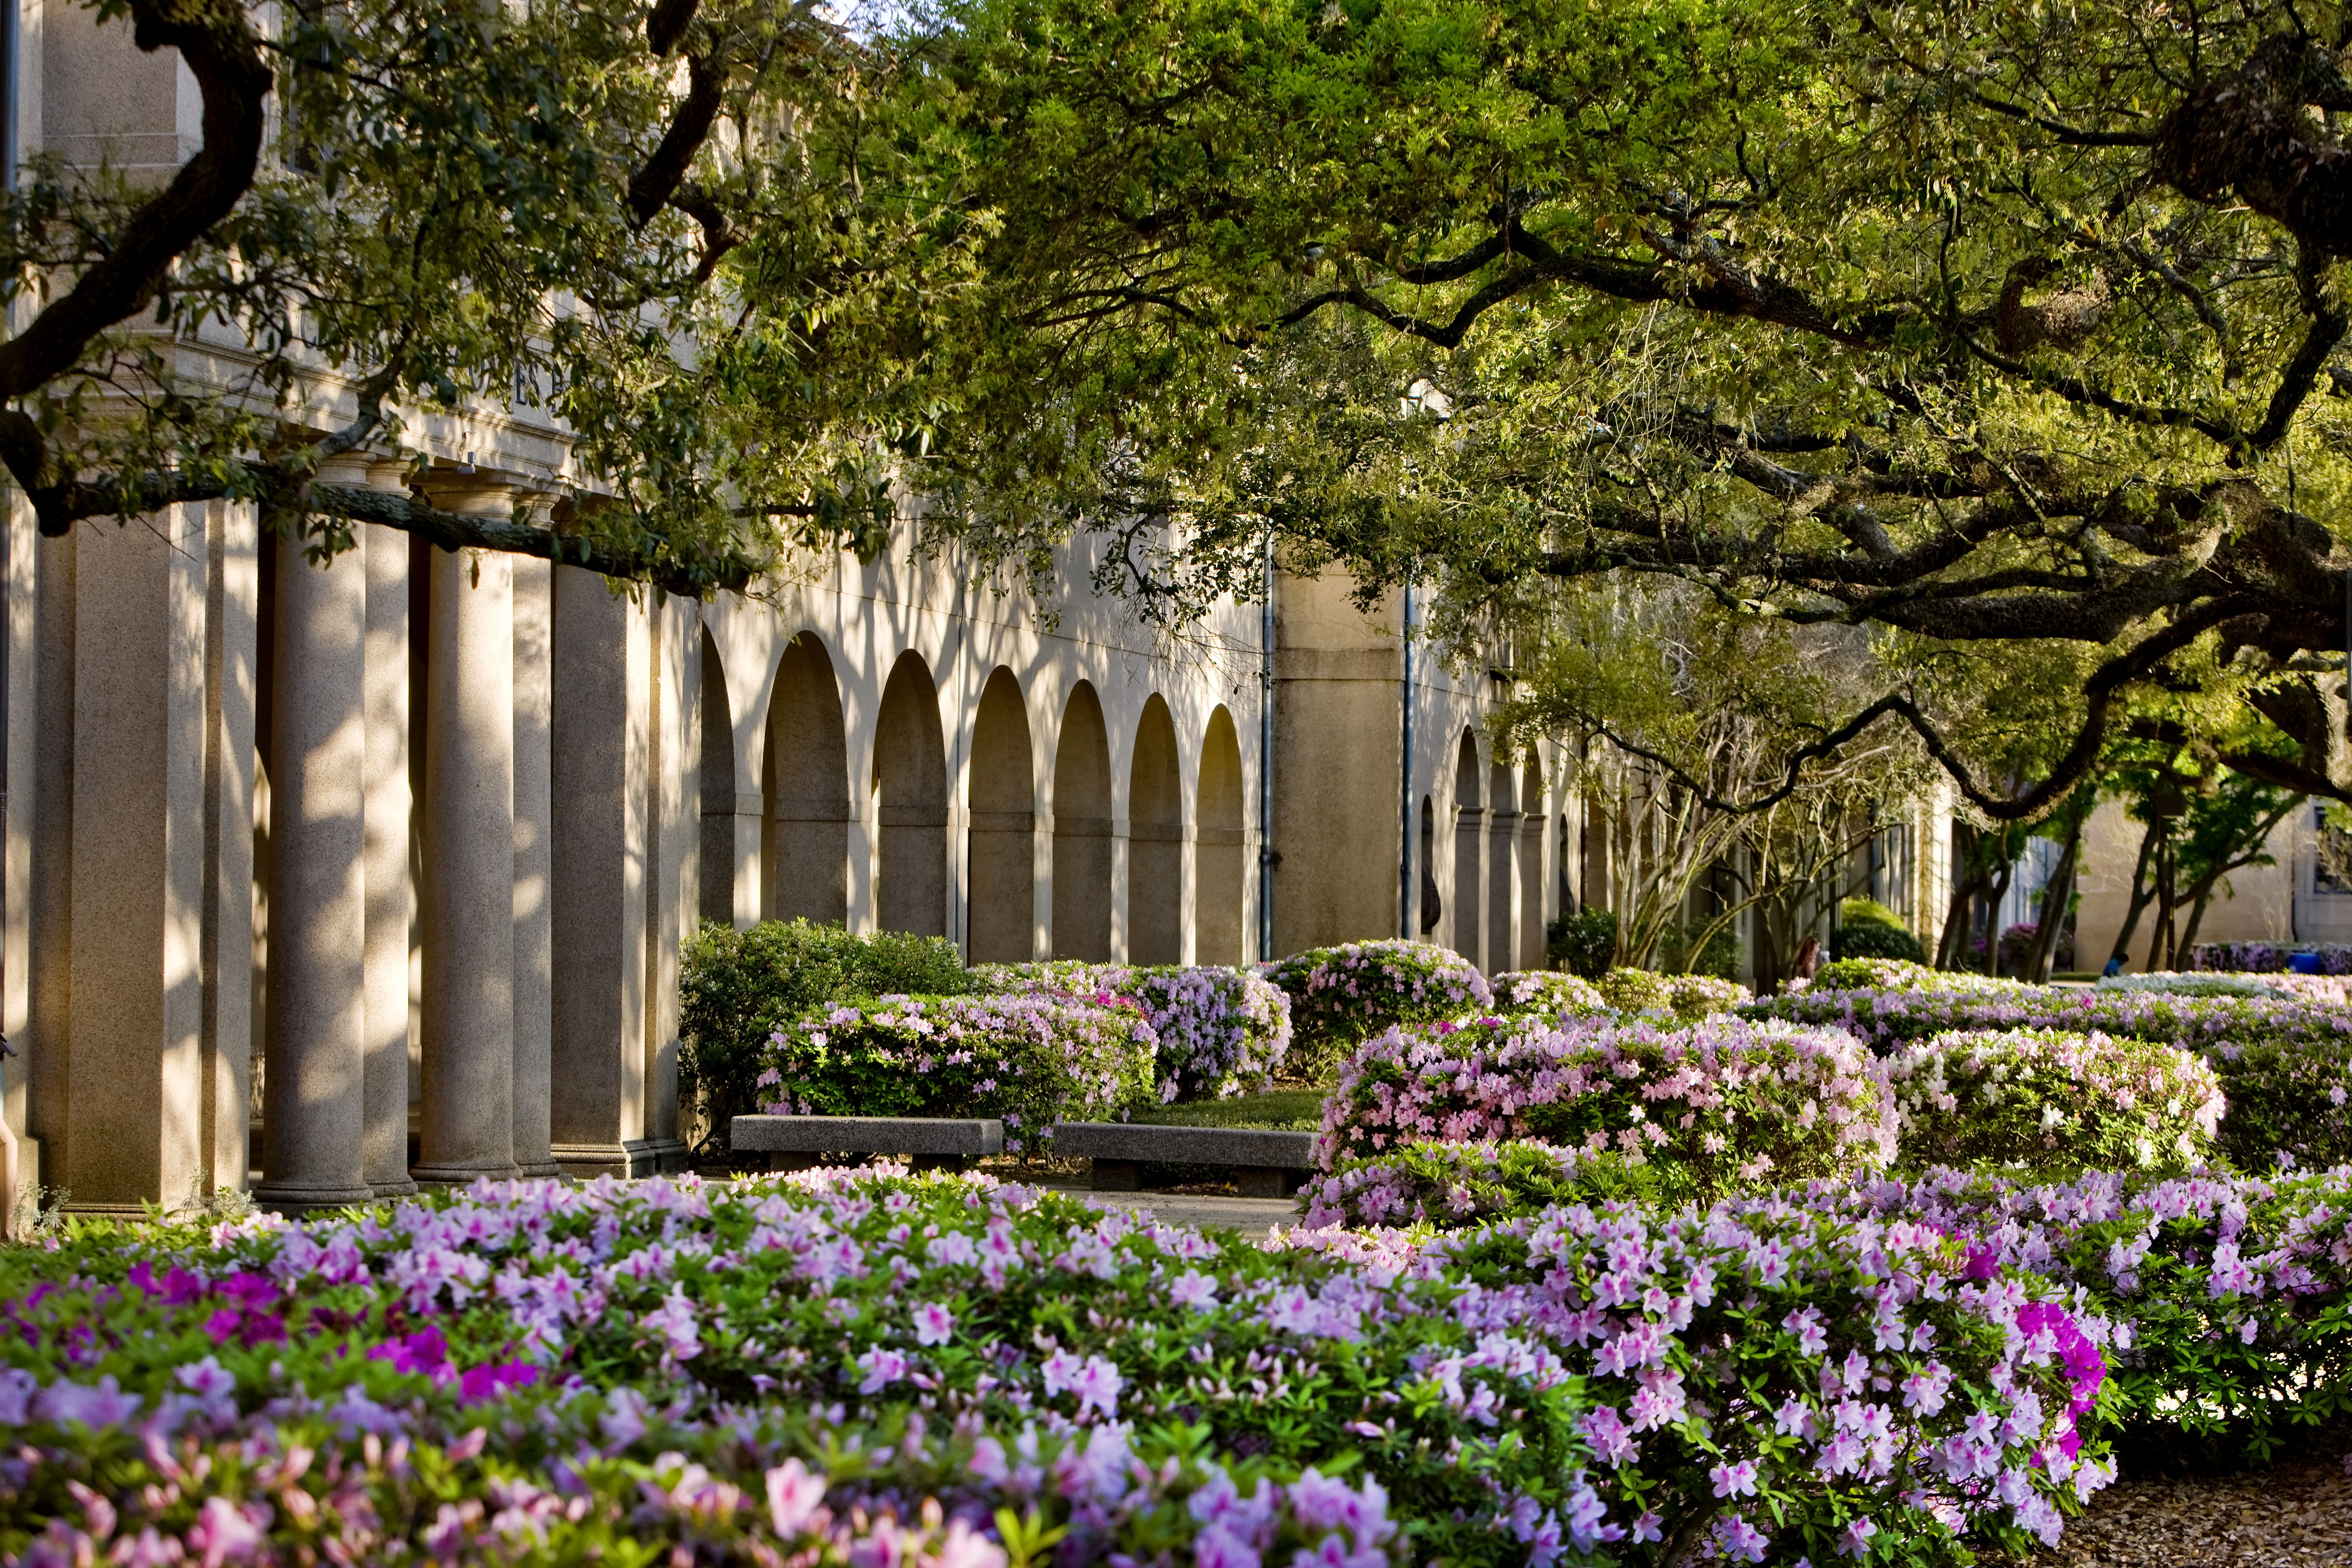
[[1266, 766], [1405, 786], [12, 68]]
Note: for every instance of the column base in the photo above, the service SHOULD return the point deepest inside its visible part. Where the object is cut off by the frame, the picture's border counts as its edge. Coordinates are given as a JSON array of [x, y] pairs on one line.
[[541, 1171], [402, 1189], [630, 1158], [294, 1202], [459, 1176]]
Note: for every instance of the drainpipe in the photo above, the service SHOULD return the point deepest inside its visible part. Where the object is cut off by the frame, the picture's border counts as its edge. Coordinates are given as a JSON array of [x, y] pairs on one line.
[[1266, 766], [1405, 786], [12, 66]]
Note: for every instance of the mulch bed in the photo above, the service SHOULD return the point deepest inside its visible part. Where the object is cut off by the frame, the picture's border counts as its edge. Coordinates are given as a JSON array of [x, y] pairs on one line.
[[2297, 1511]]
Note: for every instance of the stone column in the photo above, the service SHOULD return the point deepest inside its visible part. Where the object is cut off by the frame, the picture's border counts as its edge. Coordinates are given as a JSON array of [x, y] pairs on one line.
[[469, 1110], [390, 890], [600, 713], [314, 1099], [533, 854]]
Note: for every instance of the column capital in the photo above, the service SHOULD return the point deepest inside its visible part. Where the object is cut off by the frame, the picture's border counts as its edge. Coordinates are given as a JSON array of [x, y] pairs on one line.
[[482, 493]]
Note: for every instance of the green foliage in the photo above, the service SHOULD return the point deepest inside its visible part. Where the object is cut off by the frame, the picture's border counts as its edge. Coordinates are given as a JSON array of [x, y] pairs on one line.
[[1438, 1186], [1341, 996], [1684, 996], [1868, 929], [1280, 1110], [737, 987], [1581, 941], [2287, 1101]]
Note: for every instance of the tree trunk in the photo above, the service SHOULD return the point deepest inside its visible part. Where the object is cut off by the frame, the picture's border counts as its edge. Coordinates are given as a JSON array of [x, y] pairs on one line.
[[2143, 888], [2160, 947], [1952, 948], [1994, 896], [2056, 896]]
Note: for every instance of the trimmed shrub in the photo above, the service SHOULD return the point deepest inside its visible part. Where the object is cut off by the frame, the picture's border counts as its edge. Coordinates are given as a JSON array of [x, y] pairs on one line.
[[2044, 1102], [1726, 1102], [1583, 944], [1448, 1186], [1900, 974], [2287, 1103], [2270, 957], [736, 988], [1221, 1032], [1341, 996], [1030, 1058], [1868, 929], [1684, 996], [1548, 994]]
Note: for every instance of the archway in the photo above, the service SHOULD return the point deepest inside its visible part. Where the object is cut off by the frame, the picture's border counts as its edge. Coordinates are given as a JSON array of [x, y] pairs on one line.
[[1531, 879], [1502, 862], [718, 867], [910, 786], [1082, 831], [1155, 841], [1469, 820], [1220, 863], [804, 843], [1003, 845], [1432, 903]]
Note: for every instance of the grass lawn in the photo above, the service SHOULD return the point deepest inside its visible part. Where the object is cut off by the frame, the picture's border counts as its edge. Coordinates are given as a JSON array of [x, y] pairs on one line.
[[1283, 1110]]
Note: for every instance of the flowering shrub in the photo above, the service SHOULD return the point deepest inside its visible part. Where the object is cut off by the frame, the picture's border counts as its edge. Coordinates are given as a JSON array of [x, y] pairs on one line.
[[1221, 1032], [2270, 957], [2335, 988], [1723, 1101], [2230, 1297], [1898, 974], [1453, 1185], [1686, 996], [2043, 1100], [736, 987], [1771, 1380], [1031, 1059], [1547, 993], [1339, 995], [484, 1371]]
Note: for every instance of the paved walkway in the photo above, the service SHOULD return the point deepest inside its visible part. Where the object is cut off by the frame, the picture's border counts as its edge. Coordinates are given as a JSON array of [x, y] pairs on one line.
[[1253, 1216]]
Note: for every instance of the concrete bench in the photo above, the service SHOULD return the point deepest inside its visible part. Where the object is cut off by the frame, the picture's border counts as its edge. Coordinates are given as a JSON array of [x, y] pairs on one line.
[[935, 1142], [1264, 1164]]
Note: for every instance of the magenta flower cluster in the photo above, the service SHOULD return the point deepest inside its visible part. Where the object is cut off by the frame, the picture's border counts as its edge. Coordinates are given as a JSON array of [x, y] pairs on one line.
[[1221, 1032], [1729, 1101]]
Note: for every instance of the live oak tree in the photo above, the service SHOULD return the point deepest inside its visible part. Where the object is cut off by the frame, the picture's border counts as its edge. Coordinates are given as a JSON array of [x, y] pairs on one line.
[[1996, 324], [638, 218]]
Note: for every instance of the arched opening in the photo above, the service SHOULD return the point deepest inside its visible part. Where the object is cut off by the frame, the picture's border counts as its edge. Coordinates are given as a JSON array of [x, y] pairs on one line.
[[1003, 845], [1155, 841], [718, 867], [1219, 866], [1469, 822], [1432, 904], [804, 845], [1502, 864], [910, 786], [1082, 831], [1531, 878]]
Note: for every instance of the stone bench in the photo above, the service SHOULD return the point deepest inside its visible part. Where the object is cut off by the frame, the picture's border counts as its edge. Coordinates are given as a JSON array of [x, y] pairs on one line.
[[934, 1143], [1264, 1164]]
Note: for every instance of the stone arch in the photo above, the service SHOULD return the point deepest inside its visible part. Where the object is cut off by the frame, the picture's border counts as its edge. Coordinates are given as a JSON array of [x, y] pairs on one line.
[[1220, 861], [1469, 839], [1502, 866], [717, 867], [1155, 840], [911, 788], [1082, 830], [1531, 879], [1003, 818], [804, 841]]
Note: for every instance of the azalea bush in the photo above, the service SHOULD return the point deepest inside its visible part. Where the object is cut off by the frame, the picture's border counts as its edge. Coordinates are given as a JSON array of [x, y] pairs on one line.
[[2270, 957], [1339, 995], [707, 1366], [1900, 974], [2230, 1296], [1778, 1381], [1548, 993], [1451, 1185], [737, 988], [1030, 1058], [2043, 1100], [1684, 996], [1723, 1102], [1221, 1032]]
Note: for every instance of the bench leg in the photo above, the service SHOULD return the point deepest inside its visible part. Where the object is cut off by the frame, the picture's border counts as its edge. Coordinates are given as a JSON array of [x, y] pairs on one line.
[[783, 1161], [941, 1162], [1117, 1176], [1260, 1181]]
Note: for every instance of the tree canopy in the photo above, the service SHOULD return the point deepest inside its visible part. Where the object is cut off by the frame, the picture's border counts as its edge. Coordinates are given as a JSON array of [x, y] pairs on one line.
[[1986, 322]]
